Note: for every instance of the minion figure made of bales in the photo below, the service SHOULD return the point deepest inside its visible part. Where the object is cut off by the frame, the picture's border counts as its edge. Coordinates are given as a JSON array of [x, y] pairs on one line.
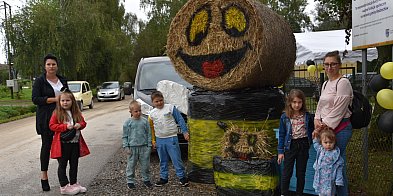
[[235, 53]]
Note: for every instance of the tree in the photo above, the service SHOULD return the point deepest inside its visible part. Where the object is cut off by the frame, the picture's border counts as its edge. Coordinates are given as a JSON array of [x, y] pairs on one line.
[[343, 10], [326, 19], [292, 11], [92, 39]]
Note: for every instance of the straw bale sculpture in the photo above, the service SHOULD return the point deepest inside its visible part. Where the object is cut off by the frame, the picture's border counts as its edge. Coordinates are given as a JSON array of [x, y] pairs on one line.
[[231, 44], [235, 52], [244, 144]]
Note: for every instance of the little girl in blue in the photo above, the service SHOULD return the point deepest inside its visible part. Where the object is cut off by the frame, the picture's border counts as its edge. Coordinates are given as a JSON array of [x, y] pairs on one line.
[[328, 164], [296, 127]]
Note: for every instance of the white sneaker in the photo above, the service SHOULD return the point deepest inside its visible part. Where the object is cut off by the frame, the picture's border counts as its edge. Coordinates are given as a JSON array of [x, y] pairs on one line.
[[81, 188], [69, 190]]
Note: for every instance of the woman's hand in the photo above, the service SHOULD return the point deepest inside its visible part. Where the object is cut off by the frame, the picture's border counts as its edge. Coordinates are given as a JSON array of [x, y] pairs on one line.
[[315, 133], [280, 158], [317, 123]]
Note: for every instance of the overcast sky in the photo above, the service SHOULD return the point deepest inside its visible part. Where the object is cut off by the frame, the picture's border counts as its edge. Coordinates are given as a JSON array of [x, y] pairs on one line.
[[130, 6]]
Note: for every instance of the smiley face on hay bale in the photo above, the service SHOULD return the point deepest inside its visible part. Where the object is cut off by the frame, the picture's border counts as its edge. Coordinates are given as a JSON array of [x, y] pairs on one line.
[[231, 44], [244, 144]]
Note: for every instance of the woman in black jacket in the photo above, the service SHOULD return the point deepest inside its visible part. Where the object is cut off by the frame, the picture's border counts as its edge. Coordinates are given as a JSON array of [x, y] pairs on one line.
[[46, 88]]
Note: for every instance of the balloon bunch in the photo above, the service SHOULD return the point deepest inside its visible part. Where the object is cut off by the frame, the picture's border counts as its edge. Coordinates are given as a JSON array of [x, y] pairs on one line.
[[380, 83], [311, 68]]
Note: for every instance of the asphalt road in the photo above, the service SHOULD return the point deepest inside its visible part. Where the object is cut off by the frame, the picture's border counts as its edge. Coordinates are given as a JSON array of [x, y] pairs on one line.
[[20, 149]]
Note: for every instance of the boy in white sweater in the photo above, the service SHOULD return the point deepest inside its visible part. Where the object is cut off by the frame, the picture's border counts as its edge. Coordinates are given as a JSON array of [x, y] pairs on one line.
[[163, 124]]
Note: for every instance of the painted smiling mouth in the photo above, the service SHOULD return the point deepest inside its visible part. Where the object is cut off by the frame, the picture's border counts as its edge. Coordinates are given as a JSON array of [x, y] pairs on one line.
[[214, 65]]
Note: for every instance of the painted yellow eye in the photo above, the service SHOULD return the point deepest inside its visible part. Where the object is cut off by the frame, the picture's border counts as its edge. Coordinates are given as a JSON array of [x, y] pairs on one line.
[[235, 21], [198, 26]]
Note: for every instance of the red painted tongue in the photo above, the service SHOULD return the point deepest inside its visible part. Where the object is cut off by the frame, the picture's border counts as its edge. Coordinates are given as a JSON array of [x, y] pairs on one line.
[[212, 69]]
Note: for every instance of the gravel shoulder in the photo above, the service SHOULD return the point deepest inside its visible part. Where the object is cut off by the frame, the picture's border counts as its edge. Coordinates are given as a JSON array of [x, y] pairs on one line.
[[112, 180]]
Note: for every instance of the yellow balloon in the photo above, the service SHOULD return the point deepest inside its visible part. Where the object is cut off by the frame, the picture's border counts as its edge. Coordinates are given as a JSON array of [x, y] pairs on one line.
[[385, 98], [320, 67], [387, 70], [311, 68]]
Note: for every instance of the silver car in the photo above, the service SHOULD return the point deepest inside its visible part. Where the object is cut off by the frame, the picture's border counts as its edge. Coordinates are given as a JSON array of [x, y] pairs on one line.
[[111, 90]]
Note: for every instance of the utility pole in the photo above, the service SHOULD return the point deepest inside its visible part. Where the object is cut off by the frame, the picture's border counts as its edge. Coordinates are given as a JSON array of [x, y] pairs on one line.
[[6, 27]]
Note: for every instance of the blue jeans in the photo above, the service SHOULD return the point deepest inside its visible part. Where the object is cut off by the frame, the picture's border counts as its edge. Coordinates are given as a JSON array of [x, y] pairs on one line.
[[343, 138], [169, 149]]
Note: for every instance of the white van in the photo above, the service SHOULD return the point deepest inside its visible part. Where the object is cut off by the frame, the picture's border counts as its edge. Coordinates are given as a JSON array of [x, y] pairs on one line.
[[150, 71]]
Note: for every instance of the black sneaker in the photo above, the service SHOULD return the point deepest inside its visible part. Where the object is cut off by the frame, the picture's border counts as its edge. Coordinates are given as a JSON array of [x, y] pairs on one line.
[[131, 185], [161, 182], [184, 182], [147, 184]]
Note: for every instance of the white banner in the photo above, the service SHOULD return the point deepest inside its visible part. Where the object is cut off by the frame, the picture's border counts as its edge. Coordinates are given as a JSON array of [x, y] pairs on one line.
[[372, 23]]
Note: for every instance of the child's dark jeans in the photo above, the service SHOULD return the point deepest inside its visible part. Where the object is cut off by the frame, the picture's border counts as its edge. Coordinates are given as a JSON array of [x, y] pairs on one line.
[[298, 152]]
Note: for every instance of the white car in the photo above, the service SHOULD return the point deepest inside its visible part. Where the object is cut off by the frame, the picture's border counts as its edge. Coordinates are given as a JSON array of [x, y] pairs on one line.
[[82, 93]]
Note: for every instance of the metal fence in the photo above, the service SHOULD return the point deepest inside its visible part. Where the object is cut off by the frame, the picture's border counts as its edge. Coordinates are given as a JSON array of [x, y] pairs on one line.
[[369, 153]]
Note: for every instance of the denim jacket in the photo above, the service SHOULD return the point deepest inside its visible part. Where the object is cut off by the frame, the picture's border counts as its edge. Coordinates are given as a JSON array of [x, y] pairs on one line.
[[285, 131]]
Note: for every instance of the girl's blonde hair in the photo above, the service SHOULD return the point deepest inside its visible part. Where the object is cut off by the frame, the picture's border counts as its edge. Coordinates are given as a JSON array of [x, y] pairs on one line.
[[291, 95], [327, 133], [62, 114]]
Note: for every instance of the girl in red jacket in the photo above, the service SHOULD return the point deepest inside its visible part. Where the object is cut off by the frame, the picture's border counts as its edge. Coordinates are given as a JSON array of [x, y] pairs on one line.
[[68, 120]]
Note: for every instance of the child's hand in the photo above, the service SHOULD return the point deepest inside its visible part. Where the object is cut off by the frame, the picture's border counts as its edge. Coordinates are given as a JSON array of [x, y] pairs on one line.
[[154, 146], [128, 151], [77, 126], [280, 158], [315, 133], [69, 126], [186, 136]]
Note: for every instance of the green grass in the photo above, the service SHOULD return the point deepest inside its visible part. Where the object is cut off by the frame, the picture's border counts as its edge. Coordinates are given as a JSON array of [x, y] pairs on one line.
[[19, 107], [24, 94], [16, 117], [379, 166]]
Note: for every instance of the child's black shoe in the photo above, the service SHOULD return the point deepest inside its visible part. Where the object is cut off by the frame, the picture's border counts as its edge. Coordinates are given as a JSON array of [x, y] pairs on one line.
[[184, 182], [161, 182], [131, 185]]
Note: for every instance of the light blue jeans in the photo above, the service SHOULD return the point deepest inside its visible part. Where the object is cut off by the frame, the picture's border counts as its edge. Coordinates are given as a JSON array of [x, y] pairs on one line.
[[139, 154], [343, 138], [169, 149]]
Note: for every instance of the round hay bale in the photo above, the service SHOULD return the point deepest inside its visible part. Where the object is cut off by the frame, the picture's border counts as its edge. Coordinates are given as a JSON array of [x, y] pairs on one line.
[[225, 45]]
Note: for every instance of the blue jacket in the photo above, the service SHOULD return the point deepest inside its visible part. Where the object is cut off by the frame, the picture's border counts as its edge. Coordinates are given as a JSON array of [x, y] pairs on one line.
[[328, 170], [285, 131]]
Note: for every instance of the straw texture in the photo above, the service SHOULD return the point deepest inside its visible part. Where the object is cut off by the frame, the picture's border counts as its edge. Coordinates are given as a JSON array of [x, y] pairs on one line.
[[224, 45]]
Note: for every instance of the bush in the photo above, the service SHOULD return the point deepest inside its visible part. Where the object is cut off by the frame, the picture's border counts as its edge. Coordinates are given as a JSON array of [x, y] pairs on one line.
[[13, 111]]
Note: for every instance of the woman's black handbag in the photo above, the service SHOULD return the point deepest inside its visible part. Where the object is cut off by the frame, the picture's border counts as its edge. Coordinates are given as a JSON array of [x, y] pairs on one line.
[[68, 135]]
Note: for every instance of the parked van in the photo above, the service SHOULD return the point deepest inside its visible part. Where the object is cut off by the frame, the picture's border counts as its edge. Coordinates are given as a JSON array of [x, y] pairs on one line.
[[149, 72]]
